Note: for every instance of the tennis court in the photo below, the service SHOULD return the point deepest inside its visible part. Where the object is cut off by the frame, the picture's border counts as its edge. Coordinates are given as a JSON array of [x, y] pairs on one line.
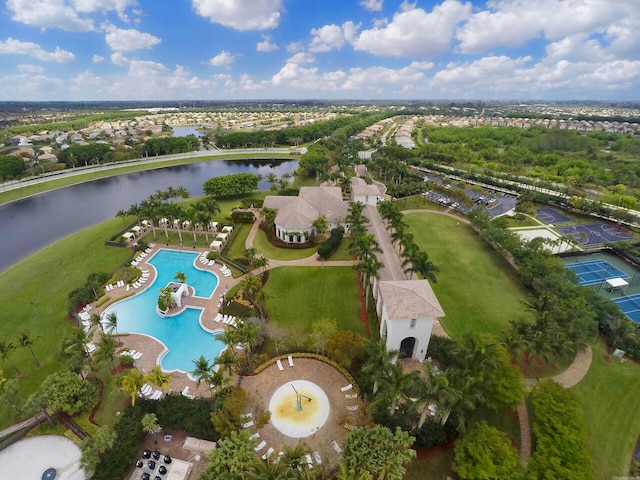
[[595, 271], [593, 234], [630, 306], [550, 216]]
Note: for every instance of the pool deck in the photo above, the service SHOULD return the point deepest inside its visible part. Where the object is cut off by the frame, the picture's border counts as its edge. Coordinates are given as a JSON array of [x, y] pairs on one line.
[[152, 348]]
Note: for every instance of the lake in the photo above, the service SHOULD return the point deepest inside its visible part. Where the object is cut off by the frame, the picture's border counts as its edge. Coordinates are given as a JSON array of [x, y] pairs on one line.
[[32, 223]]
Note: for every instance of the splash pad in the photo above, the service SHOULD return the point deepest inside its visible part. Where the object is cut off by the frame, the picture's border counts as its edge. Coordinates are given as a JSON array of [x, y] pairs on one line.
[[299, 408]]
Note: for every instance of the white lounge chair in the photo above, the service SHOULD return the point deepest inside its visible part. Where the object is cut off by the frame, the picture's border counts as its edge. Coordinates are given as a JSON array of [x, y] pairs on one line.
[[352, 408], [127, 288], [280, 367], [350, 395], [336, 447], [290, 358], [185, 391], [346, 388], [256, 435], [137, 355], [318, 458], [248, 424], [156, 395], [217, 318], [268, 454], [260, 446], [307, 457], [280, 453], [146, 389]]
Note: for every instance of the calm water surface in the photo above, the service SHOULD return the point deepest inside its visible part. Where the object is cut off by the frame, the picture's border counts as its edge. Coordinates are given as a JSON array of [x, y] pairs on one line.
[[30, 224]]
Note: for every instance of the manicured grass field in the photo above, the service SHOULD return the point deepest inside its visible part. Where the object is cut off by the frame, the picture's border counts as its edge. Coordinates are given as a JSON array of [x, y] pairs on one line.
[[610, 404], [302, 295], [262, 244], [478, 291], [35, 300]]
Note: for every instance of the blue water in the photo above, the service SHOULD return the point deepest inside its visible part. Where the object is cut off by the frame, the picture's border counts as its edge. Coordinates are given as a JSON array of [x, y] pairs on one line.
[[182, 334]]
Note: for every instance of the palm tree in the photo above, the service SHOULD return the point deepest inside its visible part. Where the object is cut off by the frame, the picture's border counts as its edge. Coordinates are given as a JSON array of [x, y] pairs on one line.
[[229, 336], [122, 214], [180, 277], [211, 205], [396, 385], [96, 321], [261, 262], [150, 208], [294, 457], [202, 371], [176, 212], [227, 360], [250, 254], [106, 349], [25, 340], [369, 267], [182, 192], [193, 216], [320, 224], [112, 323], [5, 349], [419, 263], [246, 333], [250, 284], [158, 378], [378, 360], [131, 383]]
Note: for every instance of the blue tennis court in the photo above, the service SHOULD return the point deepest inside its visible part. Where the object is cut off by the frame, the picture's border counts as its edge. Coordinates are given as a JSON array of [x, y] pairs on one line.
[[595, 271], [630, 305]]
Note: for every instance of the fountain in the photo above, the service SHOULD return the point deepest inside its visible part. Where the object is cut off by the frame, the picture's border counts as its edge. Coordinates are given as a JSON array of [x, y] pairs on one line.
[[299, 408]]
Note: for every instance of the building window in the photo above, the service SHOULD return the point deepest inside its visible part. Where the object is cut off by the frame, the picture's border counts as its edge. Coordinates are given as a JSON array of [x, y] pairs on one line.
[[413, 323]]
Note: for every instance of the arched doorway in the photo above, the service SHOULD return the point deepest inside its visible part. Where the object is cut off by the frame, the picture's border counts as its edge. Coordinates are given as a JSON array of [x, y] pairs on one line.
[[407, 347]]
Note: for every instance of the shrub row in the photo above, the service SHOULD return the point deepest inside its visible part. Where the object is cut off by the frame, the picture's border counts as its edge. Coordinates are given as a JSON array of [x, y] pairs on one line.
[[242, 216], [332, 243]]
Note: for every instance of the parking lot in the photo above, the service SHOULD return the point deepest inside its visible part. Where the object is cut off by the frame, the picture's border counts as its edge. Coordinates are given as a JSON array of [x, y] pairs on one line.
[[495, 202]]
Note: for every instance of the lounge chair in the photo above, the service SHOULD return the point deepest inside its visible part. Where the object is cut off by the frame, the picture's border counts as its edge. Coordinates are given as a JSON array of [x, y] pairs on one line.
[[127, 288], [290, 358], [185, 391], [346, 388], [260, 446], [318, 458], [248, 424], [280, 367], [268, 454], [239, 346], [336, 447], [350, 395], [217, 318], [146, 389], [307, 457], [156, 395], [256, 435], [352, 408], [280, 453], [137, 355]]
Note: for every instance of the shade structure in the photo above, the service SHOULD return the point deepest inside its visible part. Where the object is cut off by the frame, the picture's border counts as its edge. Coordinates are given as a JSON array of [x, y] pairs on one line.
[[616, 283]]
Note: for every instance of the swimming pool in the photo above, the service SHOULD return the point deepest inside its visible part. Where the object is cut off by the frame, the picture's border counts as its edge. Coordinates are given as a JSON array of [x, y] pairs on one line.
[[182, 335]]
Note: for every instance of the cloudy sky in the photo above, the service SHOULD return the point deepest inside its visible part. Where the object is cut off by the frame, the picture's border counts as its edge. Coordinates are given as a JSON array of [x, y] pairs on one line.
[[319, 49]]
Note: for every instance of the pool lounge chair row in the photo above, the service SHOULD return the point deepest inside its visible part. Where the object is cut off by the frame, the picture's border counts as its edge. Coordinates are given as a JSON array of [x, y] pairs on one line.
[[225, 271], [226, 319], [185, 393], [132, 353], [150, 393], [279, 363]]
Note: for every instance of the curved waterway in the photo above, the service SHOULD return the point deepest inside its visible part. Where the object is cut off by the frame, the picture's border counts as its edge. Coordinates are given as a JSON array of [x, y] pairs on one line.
[[32, 223]]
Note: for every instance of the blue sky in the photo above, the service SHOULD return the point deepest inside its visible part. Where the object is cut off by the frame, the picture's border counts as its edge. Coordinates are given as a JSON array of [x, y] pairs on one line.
[[319, 49]]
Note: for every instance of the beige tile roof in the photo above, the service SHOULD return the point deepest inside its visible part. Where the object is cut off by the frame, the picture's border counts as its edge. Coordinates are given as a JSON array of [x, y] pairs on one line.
[[410, 299], [297, 213], [360, 188]]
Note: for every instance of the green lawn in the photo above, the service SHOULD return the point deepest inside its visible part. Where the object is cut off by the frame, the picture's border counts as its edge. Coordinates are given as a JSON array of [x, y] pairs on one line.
[[302, 295], [609, 400], [262, 244], [478, 291], [36, 292]]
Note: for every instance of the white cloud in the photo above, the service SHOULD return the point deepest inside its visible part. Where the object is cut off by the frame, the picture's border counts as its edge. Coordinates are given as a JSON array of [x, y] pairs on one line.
[[241, 15], [97, 59], [119, 59], [373, 5], [64, 14], [332, 37], [294, 47], [301, 58], [372, 79], [512, 23], [120, 40], [16, 47], [415, 33], [266, 45], [30, 69], [223, 59]]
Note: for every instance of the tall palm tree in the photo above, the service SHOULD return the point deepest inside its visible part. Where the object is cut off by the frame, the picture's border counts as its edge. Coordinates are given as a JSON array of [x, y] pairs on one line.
[[5, 349], [112, 323], [150, 208], [396, 386], [106, 350], [378, 360], [25, 340], [182, 192], [202, 371], [369, 267], [250, 284], [158, 378], [211, 205], [246, 333], [193, 216], [294, 457], [122, 214], [176, 212], [229, 336], [131, 383], [227, 360]]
